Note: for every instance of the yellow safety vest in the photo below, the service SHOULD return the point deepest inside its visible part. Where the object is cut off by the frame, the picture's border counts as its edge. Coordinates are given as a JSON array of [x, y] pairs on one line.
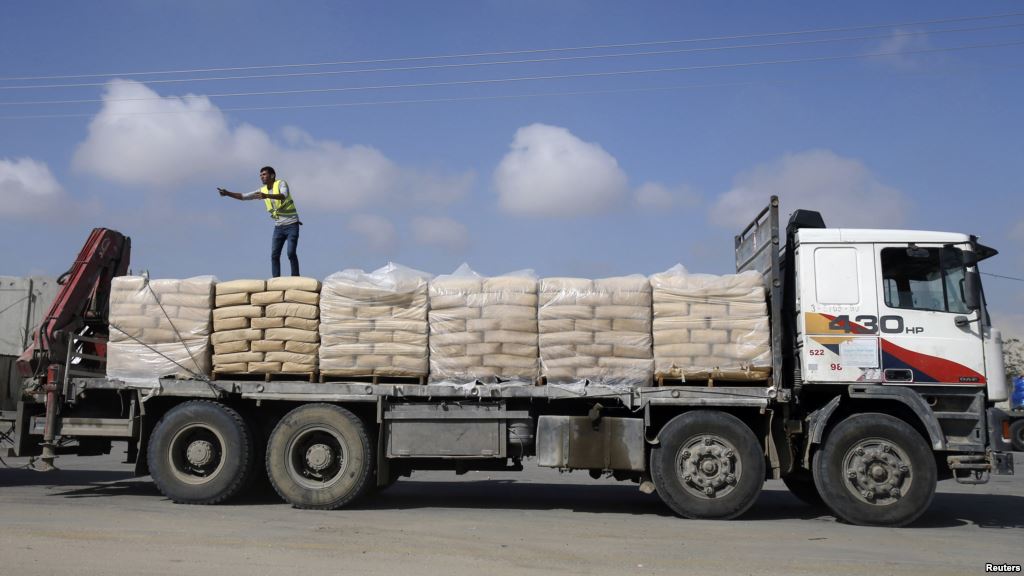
[[279, 208]]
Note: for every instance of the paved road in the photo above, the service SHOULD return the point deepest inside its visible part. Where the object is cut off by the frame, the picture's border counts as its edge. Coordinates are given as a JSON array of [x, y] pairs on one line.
[[93, 518]]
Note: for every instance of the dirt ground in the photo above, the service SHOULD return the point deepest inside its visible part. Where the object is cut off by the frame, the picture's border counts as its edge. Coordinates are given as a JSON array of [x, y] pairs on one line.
[[92, 517]]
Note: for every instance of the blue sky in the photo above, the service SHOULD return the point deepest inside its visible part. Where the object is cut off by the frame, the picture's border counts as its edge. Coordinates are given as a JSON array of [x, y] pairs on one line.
[[598, 169]]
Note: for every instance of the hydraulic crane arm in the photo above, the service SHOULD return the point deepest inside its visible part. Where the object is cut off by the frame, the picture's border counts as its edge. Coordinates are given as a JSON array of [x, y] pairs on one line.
[[79, 311], [82, 301]]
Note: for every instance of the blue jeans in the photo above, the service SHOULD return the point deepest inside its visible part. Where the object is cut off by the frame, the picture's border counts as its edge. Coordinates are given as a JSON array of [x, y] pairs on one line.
[[282, 233]]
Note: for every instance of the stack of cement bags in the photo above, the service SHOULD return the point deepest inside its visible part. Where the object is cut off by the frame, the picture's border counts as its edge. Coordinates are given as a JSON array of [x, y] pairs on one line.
[[266, 326], [233, 329], [291, 337], [706, 325], [374, 323], [596, 330], [483, 328], [159, 328]]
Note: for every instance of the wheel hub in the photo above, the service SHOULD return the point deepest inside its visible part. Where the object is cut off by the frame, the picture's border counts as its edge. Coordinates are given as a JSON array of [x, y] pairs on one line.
[[319, 457], [199, 453], [708, 466], [877, 472]]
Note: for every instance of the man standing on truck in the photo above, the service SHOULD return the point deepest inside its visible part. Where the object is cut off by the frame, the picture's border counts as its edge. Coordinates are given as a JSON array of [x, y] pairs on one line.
[[281, 206]]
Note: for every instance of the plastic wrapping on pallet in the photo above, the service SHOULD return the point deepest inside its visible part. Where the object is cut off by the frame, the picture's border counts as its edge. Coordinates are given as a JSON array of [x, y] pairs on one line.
[[159, 328], [596, 330], [483, 328], [706, 325], [360, 311], [255, 319], [145, 363]]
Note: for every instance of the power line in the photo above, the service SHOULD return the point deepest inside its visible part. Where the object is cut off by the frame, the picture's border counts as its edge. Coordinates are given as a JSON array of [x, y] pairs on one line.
[[403, 101], [576, 76], [528, 51], [1003, 277], [368, 103], [498, 63], [478, 64]]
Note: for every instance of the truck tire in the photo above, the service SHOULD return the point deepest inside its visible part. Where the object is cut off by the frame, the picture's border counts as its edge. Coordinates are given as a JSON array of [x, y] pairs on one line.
[[875, 470], [801, 484], [708, 464], [1017, 435], [320, 457], [200, 452]]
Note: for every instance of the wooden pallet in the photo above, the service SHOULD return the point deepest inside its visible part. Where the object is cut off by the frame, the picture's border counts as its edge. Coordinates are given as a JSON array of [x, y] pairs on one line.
[[713, 378], [265, 376], [329, 376]]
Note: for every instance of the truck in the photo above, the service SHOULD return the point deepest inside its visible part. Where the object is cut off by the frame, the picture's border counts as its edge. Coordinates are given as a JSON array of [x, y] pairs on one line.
[[885, 374]]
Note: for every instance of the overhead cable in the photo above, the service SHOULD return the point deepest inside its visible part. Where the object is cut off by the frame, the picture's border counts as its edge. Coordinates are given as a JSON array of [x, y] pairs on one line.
[[392, 102], [527, 51], [586, 74], [454, 99], [495, 63], [466, 65], [1003, 277]]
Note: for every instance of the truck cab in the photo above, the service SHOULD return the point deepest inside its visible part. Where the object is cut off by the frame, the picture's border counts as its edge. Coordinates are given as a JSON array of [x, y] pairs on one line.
[[894, 307]]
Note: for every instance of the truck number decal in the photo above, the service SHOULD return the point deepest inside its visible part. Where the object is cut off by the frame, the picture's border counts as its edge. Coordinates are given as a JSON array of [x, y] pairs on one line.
[[837, 367], [817, 352], [869, 324]]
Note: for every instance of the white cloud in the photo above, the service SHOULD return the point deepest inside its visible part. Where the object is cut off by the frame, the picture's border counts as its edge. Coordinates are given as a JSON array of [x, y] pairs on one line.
[[657, 196], [379, 233], [142, 139], [27, 187], [902, 40], [437, 188], [842, 189], [440, 231], [551, 172], [1017, 232]]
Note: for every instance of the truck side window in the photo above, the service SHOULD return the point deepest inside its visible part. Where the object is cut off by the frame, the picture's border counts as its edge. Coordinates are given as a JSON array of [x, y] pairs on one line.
[[924, 279]]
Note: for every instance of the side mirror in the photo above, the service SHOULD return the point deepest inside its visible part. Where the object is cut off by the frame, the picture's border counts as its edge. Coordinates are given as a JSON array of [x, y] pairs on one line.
[[972, 283]]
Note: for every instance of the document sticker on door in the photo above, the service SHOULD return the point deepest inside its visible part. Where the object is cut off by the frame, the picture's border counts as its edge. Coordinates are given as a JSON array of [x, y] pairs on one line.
[[859, 352]]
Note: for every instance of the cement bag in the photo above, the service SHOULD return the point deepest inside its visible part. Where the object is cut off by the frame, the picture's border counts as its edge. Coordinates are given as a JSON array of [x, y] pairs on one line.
[[159, 328], [483, 328], [596, 331], [363, 313], [705, 324]]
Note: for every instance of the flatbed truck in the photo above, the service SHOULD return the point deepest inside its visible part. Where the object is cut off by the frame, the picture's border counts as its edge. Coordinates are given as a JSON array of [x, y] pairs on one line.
[[886, 372]]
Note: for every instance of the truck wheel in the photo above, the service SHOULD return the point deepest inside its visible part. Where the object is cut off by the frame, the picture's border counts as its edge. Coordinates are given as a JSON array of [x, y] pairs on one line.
[[319, 456], [875, 470], [200, 452], [708, 464], [801, 484], [1017, 435]]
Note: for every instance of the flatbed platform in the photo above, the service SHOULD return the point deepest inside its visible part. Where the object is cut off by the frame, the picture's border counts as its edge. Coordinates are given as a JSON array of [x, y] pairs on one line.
[[304, 391]]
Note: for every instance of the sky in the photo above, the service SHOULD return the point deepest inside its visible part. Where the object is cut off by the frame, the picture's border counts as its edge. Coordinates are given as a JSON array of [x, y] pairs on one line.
[[574, 138]]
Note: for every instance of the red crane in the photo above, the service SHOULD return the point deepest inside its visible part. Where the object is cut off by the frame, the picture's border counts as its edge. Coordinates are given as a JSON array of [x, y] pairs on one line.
[[75, 323]]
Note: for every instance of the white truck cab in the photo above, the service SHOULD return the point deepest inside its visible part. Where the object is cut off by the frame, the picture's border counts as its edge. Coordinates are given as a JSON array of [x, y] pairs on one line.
[[894, 307]]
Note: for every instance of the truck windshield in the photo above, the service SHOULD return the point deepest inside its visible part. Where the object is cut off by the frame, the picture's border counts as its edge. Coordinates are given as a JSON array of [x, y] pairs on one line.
[[924, 279]]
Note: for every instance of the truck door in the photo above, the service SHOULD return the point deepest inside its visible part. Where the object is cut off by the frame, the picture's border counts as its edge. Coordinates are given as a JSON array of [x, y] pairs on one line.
[[838, 295], [928, 336]]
